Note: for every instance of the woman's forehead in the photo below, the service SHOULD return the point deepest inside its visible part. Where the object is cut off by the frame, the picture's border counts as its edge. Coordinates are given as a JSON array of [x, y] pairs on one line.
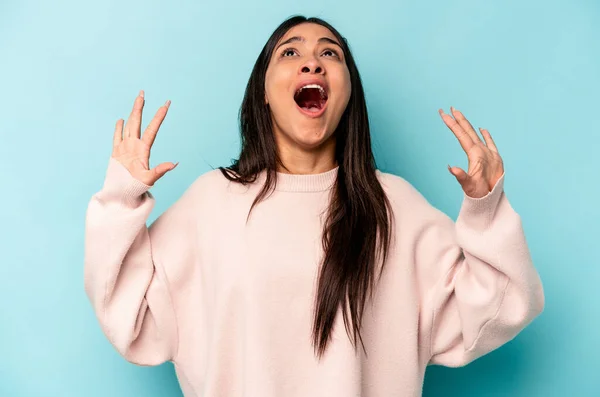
[[308, 32]]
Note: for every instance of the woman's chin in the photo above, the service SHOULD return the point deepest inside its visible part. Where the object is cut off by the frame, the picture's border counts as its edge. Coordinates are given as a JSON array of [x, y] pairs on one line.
[[311, 138]]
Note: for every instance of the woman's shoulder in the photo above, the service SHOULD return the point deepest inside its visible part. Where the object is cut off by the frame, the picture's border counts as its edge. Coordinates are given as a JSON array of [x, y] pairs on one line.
[[395, 185], [211, 178], [213, 183], [401, 193]]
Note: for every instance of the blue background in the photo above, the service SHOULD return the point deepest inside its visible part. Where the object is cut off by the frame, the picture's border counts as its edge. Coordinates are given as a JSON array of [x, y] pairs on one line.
[[526, 70]]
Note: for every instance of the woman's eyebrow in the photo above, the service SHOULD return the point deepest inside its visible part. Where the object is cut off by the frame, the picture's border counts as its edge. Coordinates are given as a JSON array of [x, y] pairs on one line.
[[328, 40], [301, 39]]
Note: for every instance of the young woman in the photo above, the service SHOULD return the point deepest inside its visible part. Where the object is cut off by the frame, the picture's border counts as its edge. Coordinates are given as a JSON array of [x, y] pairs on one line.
[[302, 270]]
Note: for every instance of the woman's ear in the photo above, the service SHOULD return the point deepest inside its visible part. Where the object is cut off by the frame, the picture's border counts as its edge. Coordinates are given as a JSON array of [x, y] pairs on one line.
[[266, 99]]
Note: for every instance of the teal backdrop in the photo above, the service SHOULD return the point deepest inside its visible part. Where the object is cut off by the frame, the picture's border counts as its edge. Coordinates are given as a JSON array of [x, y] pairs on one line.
[[529, 71]]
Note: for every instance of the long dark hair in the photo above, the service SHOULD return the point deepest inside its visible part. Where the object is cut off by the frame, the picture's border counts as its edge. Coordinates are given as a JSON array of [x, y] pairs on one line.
[[357, 231]]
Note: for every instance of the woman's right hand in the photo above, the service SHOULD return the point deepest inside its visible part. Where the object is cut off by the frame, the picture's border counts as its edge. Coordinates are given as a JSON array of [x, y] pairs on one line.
[[133, 150]]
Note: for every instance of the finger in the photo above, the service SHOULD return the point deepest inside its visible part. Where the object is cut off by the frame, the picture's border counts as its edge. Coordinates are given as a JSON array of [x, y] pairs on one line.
[[461, 176], [162, 169], [466, 142], [465, 124], [152, 129], [118, 135], [489, 142], [134, 122]]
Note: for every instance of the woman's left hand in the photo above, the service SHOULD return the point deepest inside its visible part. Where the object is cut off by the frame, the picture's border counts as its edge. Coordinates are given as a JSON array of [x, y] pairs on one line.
[[485, 164]]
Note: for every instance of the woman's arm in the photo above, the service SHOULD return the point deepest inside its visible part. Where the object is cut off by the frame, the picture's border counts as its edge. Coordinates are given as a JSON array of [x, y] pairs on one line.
[[479, 286], [125, 263]]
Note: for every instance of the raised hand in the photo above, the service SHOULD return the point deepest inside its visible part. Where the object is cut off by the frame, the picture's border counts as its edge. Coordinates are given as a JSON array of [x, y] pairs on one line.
[[133, 150], [485, 164]]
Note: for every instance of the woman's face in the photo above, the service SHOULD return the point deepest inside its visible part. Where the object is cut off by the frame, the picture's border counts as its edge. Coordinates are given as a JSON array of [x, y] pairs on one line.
[[307, 86]]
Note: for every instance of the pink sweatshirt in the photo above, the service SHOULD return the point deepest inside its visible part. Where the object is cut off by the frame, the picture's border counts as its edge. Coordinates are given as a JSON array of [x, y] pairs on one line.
[[231, 304]]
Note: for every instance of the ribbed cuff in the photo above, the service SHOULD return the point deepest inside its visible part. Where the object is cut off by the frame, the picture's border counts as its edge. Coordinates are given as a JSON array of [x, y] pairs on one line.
[[121, 185], [479, 212]]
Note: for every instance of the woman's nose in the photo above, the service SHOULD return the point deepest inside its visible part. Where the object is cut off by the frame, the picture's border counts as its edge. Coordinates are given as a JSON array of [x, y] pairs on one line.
[[312, 66]]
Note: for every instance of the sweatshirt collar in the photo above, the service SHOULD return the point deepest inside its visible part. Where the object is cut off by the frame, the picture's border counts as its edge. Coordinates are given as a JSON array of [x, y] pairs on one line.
[[305, 182]]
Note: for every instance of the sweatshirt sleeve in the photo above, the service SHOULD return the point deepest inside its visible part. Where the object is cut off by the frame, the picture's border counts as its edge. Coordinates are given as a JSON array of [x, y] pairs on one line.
[[478, 285], [125, 266]]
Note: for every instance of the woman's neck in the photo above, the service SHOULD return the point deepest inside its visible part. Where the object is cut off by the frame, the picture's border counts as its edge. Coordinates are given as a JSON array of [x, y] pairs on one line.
[[305, 162]]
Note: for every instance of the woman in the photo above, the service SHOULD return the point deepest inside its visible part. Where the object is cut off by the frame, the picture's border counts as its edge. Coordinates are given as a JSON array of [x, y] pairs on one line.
[[302, 270]]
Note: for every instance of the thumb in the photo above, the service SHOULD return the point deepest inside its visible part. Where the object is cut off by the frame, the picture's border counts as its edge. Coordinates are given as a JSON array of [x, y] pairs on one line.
[[160, 170], [461, 176]]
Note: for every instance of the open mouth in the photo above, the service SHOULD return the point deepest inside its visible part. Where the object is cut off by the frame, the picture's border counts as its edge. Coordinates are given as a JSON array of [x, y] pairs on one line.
[[311, 98]]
